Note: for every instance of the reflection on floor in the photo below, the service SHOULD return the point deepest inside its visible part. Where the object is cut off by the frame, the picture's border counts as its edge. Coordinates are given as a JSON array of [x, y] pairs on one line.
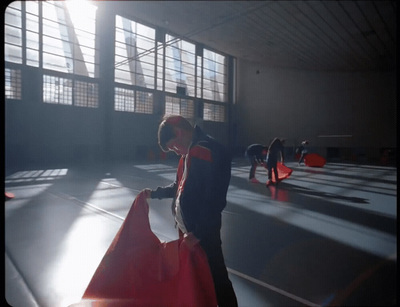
[[325, 236]]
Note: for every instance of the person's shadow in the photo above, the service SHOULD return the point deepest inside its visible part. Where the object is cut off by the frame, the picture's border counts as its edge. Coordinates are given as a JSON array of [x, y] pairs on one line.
[[281, 191]]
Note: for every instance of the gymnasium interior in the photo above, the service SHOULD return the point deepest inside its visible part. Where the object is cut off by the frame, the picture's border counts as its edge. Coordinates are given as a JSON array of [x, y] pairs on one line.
[[88, 82]]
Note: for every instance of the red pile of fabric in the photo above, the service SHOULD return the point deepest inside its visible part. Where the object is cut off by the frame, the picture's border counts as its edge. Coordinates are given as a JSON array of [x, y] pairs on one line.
[[140, 270], [283, 172], [314, 160]]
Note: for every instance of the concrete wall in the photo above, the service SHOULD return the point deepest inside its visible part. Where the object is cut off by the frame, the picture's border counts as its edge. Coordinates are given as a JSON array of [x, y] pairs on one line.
[[49, 135], [300, 105]]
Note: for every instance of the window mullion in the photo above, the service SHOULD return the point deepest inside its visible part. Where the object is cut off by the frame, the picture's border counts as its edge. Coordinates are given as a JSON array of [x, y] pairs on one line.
[[40, 34], [23, 31]]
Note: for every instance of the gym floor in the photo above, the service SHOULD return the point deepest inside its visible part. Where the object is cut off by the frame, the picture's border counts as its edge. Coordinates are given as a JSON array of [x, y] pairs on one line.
[[324, 236]]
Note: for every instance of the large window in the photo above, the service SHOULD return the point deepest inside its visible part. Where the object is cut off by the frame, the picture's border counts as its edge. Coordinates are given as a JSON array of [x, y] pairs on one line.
[[214, 112], [180, 64], [179, 106], [129, 100], [86, 94], [57, 90], [215, 76], [13, 83], [32, 33], [59, 38], [134, 53], [56, 36], [69, 37], [204, 77], [212, 82], [68, 91], [124, 100], [13, 33]]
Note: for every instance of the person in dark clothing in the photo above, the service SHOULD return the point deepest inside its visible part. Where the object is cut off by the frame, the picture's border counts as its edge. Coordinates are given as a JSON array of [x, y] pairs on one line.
[[302, 150], [199, 193], [275, 150], [256, 153]]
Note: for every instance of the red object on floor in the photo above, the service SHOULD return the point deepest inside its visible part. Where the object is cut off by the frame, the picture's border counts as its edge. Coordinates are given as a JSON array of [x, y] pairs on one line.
[[283, 172], [314, 160], [139, 270], [8, 195]]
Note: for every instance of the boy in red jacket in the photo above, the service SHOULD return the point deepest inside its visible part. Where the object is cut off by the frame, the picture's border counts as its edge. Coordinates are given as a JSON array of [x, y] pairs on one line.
[[199, 193]]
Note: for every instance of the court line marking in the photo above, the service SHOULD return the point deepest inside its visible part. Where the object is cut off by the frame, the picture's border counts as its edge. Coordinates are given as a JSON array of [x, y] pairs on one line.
[[273, 288]]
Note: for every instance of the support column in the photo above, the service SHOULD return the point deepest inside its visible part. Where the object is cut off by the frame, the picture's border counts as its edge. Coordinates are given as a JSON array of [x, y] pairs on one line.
[[105, 29]]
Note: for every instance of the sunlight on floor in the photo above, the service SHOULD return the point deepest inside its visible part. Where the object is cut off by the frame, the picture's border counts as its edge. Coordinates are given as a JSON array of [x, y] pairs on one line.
[[364, 238], [80, 253]]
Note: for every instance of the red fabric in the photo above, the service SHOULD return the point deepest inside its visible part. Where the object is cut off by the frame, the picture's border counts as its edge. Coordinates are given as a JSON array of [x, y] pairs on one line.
[[139, 270], [201, 153], [8, 195], [314, 160], [283, 172]]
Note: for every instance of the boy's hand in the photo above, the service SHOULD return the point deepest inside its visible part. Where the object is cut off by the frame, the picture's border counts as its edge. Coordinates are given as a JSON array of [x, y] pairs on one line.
[[147, 193]]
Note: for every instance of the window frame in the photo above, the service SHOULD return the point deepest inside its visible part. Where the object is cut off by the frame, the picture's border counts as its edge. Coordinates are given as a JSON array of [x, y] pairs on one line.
[[204, 81], [138, 105], [13, 83], [75, 96]]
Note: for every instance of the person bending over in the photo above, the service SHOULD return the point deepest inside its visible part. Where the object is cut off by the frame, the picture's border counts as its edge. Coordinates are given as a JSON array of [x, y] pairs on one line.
[[275, 150], [256, 153]]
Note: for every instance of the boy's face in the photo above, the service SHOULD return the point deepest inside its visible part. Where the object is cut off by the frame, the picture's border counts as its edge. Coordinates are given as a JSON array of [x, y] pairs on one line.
[[177, 146]]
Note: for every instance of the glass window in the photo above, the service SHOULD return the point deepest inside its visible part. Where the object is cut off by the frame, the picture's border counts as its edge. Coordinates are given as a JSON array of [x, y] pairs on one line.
[[32, 33], [86, 94], [214, 83], [180, 66], [69, 37], [129, 100], [60, 90], [144, 102], [61, 36], [124, 100], [13, 33], [134, 53], [214, 112], [179, 106], [13, 83], [57, 90]]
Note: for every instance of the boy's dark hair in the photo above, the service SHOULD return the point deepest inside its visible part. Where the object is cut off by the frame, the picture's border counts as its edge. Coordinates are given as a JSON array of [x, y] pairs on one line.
[[165, 133], [166, 129]]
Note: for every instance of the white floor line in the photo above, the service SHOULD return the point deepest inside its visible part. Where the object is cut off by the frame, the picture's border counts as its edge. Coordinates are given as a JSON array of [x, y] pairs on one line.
[[273, 288]]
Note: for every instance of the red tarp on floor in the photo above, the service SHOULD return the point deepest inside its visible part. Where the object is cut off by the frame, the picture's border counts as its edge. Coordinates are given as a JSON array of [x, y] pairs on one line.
[[283, 172], [314, 160], [139, 270]]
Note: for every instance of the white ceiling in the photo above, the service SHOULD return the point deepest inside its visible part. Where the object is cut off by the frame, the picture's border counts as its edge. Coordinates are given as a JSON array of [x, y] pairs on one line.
[[307, 35]]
